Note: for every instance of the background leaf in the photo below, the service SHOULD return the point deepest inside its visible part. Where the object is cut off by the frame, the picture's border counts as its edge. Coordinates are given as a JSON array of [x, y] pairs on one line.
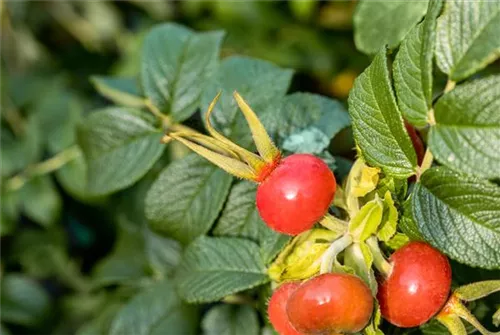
[[162, 253], [260, 83], [176, 63], [466, 136], [120, 146], [122, 91], [157, 310], [213, 268], [41, 201], [377, 122], [231, 320], [377, 23], [468, 37], [460, 216], [186, 198]]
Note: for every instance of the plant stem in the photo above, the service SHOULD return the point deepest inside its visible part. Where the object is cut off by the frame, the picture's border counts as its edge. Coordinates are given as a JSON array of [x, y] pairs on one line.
[[165, 119], [453, 323], [450, 84], [379, 261], [332, 252], [426, 163], [45, 167], [459, 309]]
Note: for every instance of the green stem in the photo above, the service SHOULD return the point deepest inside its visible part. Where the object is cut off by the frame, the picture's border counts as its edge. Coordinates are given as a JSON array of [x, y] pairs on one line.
[[166, 121], [379, 261], [462, 311], [426, 163], [453, 323], [52, 164], [450, 84], [330, 255]]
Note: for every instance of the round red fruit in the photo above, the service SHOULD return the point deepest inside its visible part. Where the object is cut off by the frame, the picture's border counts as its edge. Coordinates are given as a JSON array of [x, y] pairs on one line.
[[331, 303], [276, 309], [296, 194], [417, 287]]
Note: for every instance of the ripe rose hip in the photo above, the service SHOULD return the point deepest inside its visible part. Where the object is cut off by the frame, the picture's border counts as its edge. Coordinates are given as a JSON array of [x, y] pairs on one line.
[[296, 194], [331, 303], [417, 286], [276, 309]]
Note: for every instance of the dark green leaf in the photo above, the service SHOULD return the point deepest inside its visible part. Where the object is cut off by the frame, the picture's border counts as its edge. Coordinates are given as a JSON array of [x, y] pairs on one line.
[[231, 320], [261, 84], [176, 63], [407, 224], [23, 301], [120, 146], [468, 37], [214, 267], [377, 122], [11, 208], [41, 201], [460, 216], [377, 23], [100, 325], [162, 253], [122, 91], [187, 197], [466, 136], [156, 310]]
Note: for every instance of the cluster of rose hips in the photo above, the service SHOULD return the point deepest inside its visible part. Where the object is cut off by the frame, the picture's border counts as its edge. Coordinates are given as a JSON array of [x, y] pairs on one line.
[[293, 194]]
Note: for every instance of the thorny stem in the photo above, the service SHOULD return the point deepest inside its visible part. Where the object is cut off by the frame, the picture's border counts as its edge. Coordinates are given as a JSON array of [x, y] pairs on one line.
[[330, 255], [379, 261], [45, 167]]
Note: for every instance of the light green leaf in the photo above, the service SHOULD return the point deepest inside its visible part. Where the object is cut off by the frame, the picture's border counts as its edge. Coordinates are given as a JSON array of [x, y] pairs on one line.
[[377, 122], [373, 326], [359, 258], [260, 83], [186, 198], [24, 301], [213, 268], [496, 318], [377, 23], [367, 220], [120, 90], [120, 146], [162, 253], [477, 290], [397, 241], [389, 221], [156, 310], [459, 215], [41, 201], [466, 136], [176, 64], [231, 320], [468, 37]]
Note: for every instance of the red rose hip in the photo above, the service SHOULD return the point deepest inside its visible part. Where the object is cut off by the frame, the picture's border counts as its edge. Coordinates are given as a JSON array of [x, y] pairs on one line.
[[417, 287], [296, 194], [276, 309], [331, 303]]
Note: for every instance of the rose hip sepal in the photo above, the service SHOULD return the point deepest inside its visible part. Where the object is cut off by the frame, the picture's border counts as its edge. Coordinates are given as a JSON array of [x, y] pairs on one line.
[[417, 286], [331, 303], [293, 194], [276, 309]]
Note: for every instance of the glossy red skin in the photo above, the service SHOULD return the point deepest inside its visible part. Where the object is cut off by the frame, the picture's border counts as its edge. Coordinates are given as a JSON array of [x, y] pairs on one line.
[[296, 194], [276, 310], [418, 144], [417, 287], [331, 303]]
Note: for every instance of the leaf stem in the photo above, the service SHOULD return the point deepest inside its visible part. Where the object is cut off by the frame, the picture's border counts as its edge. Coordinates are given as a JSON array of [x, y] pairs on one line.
[[450, 84], [379, 261], [52, 164], [330, 255], [426, 163], [165, 119]]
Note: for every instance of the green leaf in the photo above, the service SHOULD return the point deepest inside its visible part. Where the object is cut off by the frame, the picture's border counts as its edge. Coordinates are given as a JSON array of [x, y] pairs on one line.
[[407, 224], [163, 253], [176, 63], [240, 218], [359, 258], [466, 136], [231, 320], [100, 325], [122, 91], [496, 318], [389, 221], [120, 146], [24, 301], [477, 290], [156, 310], [186, 198], [367, 220], [260, 83], [377, 122], [11, 208], [397, 241], [468, 37], [459, 215], [41, 201], [214, 267], [413, 68], [377, 23]]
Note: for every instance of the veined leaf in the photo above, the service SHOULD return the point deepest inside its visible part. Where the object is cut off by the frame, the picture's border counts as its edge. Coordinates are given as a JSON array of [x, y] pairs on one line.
[[122, 91], [186, 198], [377, 122], [213, 268], [231, 320], [176, 63], [377, 23], [120, 146], [466, 136], [468, 37], [460, 216]]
